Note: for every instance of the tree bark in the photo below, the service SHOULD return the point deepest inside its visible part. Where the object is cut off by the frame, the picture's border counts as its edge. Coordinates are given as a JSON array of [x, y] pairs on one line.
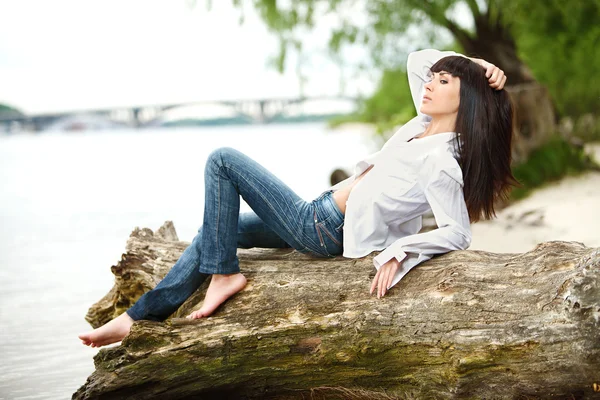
[[467, 324], [534, 121]]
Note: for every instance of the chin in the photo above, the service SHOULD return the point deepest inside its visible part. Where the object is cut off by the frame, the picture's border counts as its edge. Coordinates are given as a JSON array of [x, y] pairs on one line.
[[426, 111]]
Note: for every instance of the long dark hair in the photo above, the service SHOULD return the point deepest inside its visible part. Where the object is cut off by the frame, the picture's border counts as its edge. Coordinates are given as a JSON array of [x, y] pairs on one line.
[[484, 124]]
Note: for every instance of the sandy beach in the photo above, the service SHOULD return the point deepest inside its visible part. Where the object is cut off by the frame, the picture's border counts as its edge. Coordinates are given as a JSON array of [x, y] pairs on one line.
[[566, 210]]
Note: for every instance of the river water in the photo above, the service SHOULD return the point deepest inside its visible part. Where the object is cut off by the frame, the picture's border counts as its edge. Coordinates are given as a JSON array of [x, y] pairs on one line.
[[70, 200]]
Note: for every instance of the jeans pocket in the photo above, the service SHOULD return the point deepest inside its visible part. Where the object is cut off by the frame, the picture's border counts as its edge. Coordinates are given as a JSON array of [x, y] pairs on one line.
[[329, 243], [340, 227]]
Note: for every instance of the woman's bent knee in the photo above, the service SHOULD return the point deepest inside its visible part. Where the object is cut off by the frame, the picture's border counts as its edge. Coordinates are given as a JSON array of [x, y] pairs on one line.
[[221, 154]]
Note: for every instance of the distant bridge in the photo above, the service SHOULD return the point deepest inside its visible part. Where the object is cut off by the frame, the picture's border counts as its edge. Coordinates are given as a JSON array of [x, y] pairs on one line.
[[258, 111]]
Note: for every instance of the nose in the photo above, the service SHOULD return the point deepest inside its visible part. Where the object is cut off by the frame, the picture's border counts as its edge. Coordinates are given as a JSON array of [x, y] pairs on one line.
[[429, 85]]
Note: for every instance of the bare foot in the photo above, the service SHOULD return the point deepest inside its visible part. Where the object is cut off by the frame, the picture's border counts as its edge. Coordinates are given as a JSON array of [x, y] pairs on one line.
[[111, 332], [220, 289]]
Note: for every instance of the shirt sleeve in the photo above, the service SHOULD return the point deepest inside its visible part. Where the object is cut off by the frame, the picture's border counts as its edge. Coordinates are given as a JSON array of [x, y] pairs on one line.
[[442, 188], [417, 68]]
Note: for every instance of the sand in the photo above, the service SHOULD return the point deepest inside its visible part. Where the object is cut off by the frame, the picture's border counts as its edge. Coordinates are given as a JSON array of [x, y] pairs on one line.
[[565, 210]]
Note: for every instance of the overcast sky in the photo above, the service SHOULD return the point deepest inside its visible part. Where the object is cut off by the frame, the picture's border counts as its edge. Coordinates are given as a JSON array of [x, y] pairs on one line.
[[71, 54], [61, 55]]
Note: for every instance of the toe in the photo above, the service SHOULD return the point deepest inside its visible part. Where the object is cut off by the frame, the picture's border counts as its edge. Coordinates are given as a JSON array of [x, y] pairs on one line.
[[196, 315]]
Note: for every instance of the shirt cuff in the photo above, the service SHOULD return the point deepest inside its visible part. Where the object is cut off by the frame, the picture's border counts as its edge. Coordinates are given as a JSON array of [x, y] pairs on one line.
[[386, 256]]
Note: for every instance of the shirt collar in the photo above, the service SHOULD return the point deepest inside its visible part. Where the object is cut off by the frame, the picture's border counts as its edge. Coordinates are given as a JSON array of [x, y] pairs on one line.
[[438, 138], [415, 127]]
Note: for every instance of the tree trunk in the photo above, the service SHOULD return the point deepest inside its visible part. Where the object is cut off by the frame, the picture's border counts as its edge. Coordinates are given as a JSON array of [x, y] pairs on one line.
[[535, 113], [534, 119], [494, 43], [467, 324]]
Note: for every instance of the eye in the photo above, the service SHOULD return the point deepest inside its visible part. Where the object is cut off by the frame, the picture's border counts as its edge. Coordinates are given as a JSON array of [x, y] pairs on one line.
[[443, 81]]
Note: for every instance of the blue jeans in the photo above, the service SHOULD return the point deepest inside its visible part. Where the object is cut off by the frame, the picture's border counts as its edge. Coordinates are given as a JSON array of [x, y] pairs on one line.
[[280, 219]]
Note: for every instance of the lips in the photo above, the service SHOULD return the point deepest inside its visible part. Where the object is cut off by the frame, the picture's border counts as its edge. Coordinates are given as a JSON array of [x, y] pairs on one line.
[[426, 98]]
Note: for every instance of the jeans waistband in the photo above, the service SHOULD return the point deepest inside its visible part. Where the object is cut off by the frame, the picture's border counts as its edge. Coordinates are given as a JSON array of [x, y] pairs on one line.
[[327, 209]]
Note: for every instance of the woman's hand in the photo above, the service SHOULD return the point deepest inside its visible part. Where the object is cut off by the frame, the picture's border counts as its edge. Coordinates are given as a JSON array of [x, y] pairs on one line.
[[384, 276], [495, 75]]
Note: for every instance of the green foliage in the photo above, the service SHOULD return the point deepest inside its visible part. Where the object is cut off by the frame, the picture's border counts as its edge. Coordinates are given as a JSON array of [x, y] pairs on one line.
[[552, 161], [391, 104], [382, 26], [7, 110], [587, 128], [559, 41]]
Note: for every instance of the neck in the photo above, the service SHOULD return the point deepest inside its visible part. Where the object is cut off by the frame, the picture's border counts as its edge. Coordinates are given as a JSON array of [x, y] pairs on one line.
[[440, 124]]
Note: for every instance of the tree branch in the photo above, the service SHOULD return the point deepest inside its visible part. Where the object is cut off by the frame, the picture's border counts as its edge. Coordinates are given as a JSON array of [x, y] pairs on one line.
[[474, 8], [438, 16]]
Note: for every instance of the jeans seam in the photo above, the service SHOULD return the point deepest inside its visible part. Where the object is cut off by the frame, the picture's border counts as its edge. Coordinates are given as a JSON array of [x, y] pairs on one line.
[[317, 228], [218, 217], [321, 239], [330, 235], [290, 231], [327, 216]]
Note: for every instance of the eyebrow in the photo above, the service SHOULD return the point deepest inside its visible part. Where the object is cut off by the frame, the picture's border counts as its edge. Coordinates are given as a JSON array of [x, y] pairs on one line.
[[430, 74]]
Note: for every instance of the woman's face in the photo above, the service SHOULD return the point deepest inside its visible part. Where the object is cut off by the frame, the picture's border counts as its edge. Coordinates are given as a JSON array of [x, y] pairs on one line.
[[442, 94]]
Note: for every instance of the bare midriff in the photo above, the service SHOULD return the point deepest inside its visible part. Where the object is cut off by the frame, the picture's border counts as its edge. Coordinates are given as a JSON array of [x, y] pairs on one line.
[[341, 196]]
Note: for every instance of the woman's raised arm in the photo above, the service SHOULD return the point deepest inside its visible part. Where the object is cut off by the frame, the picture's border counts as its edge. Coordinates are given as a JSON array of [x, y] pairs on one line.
[[419, 63], [417, 68]]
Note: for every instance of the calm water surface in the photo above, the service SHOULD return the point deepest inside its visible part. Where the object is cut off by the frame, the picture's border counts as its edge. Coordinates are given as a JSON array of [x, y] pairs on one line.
[[69, 202]]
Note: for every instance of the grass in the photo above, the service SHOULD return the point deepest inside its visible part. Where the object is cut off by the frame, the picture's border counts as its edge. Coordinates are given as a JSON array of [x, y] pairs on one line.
[[554, 160]]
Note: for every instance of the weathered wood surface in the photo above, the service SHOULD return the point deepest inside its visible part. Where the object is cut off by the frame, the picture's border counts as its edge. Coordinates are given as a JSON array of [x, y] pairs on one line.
[[468, 324]]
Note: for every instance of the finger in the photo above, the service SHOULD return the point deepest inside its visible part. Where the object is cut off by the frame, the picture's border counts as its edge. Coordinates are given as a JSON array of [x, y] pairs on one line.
[[382, 280], [379, 285], [495, 74], [498, 79], [393, 271], [374, 284], [489, 70], [502, 83], [497, 82]]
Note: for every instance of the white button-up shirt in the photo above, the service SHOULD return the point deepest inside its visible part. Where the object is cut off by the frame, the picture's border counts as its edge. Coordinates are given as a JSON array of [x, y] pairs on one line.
[[409, 178]]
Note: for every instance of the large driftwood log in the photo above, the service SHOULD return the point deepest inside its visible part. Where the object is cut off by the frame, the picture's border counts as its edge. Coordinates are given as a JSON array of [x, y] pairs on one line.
[[468, 324]]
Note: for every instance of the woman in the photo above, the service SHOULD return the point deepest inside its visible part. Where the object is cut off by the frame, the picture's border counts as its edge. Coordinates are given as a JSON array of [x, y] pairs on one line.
[[424, 165]]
